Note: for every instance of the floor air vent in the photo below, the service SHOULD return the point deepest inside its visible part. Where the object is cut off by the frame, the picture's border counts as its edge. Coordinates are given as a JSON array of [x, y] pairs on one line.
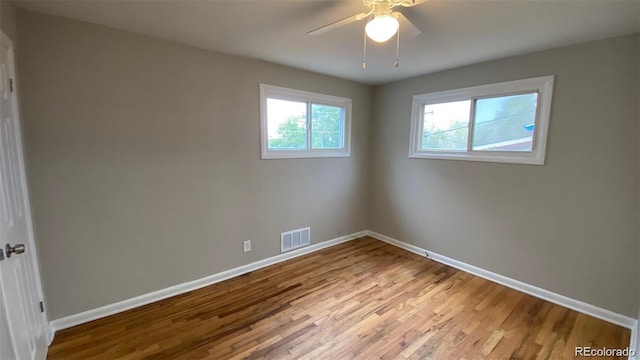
[[295, 239]]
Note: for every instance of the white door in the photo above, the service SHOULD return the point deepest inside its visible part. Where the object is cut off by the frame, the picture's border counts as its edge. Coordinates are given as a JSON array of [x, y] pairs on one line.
[[22, 314]]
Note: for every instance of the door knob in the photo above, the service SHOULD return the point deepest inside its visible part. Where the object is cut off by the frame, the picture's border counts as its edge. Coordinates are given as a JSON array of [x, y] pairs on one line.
[[18, 249]]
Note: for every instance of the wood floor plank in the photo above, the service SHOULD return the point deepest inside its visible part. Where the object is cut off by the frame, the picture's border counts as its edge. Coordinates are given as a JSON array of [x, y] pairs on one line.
[[363, 299]]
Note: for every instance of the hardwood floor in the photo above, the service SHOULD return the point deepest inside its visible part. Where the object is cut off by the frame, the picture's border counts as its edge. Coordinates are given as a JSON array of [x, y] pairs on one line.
[[363, 299]]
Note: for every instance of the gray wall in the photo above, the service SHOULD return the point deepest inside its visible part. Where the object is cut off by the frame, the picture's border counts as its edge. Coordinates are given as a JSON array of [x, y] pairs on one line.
[[145, 167], [8, 19], [570, 226]]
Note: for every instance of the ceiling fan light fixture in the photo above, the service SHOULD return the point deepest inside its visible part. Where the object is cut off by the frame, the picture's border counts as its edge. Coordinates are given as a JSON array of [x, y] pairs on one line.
[[382, 27]]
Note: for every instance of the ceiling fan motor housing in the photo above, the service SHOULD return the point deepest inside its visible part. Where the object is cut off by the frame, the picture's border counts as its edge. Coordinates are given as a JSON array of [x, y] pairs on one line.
[[381, 8], [371, 4]]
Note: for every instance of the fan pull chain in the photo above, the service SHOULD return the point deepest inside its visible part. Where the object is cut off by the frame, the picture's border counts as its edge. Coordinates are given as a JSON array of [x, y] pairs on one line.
[[364, 53], [397, 47]]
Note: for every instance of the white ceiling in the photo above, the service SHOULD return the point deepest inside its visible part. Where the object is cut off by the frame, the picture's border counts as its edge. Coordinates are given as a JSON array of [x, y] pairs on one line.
[[454, 33]]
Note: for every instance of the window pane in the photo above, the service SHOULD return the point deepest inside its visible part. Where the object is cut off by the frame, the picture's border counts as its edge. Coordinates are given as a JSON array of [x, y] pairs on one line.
[[505, 123], [327, 127], [446, 126], [286, 124]]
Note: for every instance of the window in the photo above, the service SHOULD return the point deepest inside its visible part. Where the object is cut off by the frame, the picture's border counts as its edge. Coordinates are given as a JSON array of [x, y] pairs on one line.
[[300, 124], [504, 122]]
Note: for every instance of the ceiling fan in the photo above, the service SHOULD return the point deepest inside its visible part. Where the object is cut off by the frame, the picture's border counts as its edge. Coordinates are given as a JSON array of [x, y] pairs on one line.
[[383, 23]]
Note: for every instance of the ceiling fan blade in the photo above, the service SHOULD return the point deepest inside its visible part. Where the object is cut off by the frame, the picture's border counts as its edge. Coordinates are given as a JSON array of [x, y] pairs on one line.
[[407, 27], [337, 24]]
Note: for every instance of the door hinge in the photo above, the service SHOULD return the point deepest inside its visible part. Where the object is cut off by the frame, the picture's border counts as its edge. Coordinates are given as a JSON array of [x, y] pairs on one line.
[[41, 306], [11, 85]]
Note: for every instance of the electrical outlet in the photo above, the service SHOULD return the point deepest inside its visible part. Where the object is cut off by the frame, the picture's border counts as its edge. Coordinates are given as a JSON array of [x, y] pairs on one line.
[[247, 246]]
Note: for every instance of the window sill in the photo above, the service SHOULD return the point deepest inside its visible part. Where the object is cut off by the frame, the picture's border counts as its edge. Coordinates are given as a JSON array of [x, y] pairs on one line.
[[500, 157], [287, 154]]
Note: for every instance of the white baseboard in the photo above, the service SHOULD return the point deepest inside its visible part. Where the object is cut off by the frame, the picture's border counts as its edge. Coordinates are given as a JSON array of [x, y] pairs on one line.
[[577, 305], [633, 346], [103, 311]]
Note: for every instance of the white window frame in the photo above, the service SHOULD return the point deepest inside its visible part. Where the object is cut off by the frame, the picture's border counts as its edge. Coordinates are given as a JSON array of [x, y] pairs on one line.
[[281, 93], [542, 85]]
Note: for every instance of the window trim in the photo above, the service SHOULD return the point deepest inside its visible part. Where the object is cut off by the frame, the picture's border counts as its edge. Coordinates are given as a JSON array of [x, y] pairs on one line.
[[282, 93], [542, 85]]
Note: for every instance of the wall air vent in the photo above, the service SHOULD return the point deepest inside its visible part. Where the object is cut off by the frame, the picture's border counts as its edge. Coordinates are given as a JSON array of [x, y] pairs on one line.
[[294, 239]]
